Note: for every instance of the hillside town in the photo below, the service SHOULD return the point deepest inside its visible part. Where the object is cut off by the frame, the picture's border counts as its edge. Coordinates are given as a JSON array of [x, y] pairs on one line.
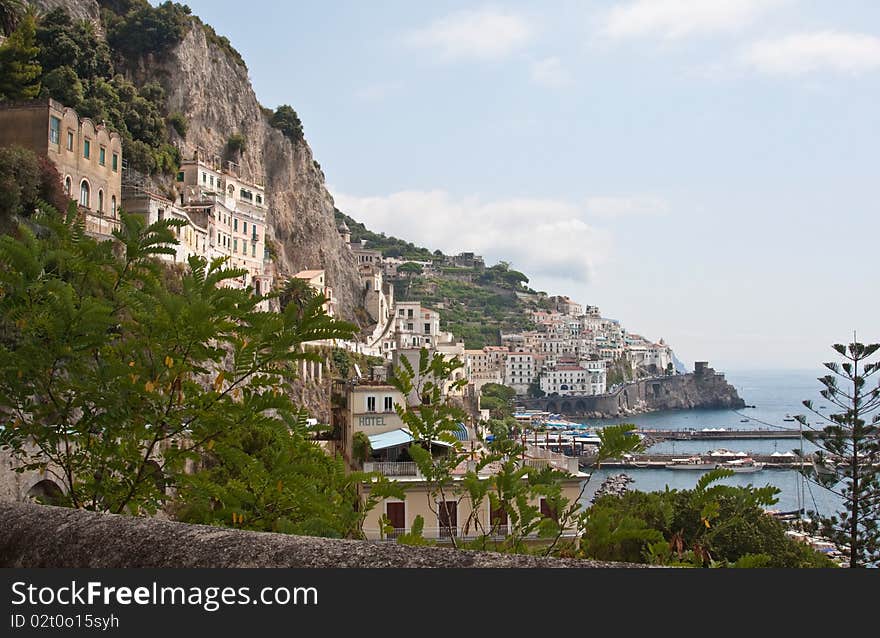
[[224, 214], [195, 337]]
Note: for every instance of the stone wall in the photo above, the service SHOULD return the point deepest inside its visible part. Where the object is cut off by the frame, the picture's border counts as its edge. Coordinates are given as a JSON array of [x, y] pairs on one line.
[[42, 536]]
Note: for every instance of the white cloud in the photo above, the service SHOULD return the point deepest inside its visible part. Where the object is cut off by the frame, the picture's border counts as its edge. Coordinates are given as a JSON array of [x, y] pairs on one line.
[[545, 238], [482, 34], [817, 51], [626, 206], [673, 19], [550, 72]]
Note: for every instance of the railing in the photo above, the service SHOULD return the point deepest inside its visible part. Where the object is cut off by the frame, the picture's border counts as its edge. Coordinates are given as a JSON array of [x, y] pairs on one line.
[[390, 468], [540, 458]]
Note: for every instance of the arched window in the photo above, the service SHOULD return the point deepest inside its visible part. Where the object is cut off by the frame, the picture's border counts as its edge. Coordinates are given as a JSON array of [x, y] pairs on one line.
[[84, 194], [100, 201], [68, 187], [113, 205]]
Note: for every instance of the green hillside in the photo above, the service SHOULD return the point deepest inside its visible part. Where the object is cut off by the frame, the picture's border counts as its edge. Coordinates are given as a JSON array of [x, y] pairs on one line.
[[476, 304]]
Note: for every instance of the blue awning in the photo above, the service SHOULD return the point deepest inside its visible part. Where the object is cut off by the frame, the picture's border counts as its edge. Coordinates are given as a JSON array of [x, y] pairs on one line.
[[389, 439], [400, 436]]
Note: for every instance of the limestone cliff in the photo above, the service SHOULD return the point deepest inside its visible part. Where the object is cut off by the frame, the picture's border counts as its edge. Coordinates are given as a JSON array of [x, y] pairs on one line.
[[78, 9], [213, 91]]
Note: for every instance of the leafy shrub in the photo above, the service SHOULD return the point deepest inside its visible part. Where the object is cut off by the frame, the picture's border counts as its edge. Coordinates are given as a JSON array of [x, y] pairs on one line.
[[149, 30], [236, 143], [287, 121], [179, 123], [63, 84], [65, 43]]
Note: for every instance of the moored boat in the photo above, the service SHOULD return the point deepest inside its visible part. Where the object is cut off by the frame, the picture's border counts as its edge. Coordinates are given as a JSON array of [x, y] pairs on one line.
[[744, 466], [690, 463]]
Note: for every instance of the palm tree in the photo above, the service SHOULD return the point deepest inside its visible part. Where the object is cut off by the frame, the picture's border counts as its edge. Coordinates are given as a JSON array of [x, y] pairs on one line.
[[10, 15], [297, 292]]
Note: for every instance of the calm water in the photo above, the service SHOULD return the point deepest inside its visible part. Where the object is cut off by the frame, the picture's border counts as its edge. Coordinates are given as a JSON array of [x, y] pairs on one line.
[[776, 395]]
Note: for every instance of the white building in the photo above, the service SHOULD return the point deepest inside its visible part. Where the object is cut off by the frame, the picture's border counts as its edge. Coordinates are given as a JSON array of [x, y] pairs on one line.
[[565, 379], [520, 371]]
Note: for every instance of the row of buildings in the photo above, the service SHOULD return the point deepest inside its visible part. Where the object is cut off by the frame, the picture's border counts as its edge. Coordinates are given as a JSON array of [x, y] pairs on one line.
[[224, 213]]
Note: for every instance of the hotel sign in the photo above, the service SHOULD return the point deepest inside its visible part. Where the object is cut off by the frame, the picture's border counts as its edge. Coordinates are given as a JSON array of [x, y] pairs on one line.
[[371, 421]]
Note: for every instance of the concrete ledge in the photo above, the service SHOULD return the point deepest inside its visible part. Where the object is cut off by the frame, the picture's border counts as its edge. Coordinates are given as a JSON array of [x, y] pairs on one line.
[[42, 536]]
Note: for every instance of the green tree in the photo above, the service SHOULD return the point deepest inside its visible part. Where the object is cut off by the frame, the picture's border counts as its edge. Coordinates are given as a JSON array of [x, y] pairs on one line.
[[19, 67], [360, 447], [287, 121], [409, 268], [113, 377], [149, 30], [235, 144], [848, 461], [264, 477], [433, 421], [711, 525], [179, 123], [297, 293], [19, 183], [27, 181], [535, 390], [63, 84], [11, 12], [65, 42], [498, 399]]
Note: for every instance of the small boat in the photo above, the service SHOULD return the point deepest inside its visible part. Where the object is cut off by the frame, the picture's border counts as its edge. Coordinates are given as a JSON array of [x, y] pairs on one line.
[[744, 466], [691, 463], [743, 420]]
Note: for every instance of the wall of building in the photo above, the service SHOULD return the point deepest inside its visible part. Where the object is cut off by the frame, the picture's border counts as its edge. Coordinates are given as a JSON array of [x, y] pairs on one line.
[[420, 502]]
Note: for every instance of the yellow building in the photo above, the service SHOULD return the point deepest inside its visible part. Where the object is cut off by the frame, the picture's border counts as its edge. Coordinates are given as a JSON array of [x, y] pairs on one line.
[[456, 516], [87, 154]]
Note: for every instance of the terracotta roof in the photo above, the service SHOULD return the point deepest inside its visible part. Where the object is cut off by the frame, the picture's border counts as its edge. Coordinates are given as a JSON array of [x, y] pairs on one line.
[[308, 274]]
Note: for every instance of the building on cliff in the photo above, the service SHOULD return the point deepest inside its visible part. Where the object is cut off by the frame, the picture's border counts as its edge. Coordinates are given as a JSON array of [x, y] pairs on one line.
[[224, 215], [88, 156]]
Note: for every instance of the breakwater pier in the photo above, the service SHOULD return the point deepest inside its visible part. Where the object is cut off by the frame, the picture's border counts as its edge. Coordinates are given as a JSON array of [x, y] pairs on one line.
[[718, 434], [660, 461]]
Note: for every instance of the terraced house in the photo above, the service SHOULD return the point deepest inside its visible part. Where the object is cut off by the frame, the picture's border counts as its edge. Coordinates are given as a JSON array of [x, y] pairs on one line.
[[87, 154]]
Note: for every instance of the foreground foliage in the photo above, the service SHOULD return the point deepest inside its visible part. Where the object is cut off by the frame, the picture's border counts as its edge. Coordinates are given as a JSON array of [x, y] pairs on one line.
[[711, 525], [115, 374]]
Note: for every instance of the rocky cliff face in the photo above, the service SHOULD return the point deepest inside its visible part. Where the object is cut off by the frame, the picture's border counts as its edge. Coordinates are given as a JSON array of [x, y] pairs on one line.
[[704, 389], [214, 93], [78, 9], [707, 390]]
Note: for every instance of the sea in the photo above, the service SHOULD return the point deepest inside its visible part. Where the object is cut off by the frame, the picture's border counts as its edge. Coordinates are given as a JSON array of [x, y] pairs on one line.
[[777, 396]]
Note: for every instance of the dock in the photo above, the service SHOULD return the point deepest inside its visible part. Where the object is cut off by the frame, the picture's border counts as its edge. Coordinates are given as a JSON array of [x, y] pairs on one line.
[[719, 434], [660, 461]]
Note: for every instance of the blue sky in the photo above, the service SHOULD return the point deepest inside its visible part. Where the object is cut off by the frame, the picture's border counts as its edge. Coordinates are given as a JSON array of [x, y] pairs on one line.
[[703, 170]]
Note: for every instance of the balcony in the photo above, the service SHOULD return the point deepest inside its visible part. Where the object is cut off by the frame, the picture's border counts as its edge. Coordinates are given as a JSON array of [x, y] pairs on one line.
[[392, 468]]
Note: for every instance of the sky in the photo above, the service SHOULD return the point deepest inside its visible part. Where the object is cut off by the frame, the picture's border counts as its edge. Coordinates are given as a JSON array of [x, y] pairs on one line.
[[705, 171]]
